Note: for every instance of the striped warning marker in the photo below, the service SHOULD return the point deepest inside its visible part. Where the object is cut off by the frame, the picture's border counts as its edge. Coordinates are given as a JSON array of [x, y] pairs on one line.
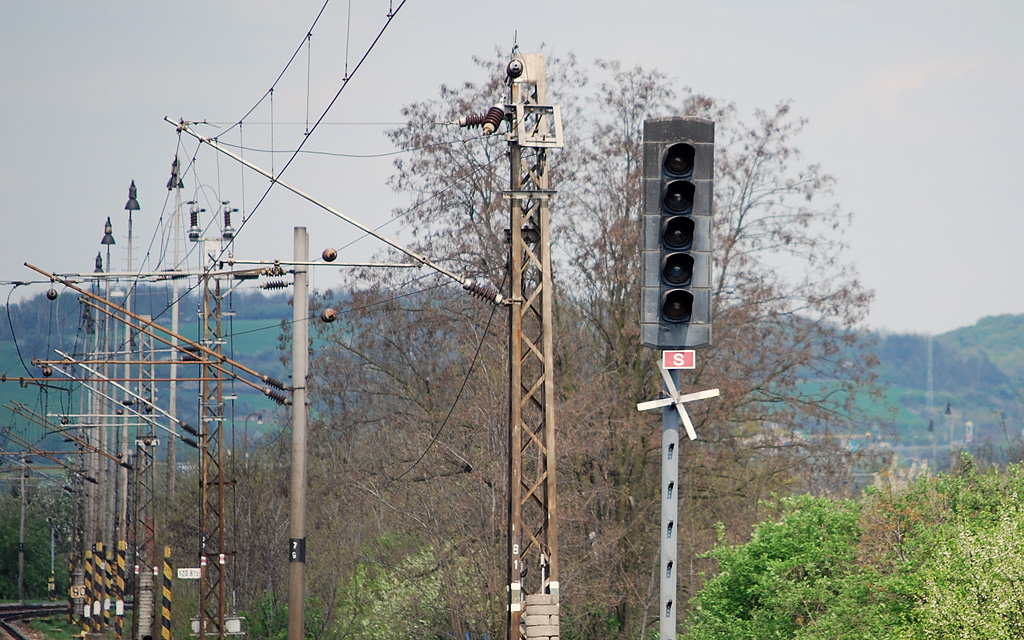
[[108, 586], [165, 599], [122, 551], [90, 593]]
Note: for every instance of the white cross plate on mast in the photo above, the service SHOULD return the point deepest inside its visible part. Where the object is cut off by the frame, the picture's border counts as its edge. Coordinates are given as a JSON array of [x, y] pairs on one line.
[[677, 399]]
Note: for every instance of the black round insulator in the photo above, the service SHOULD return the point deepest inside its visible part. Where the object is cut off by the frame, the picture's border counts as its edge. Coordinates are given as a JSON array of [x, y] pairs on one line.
[[677, 232], [677, 269], [677, 305], [515, 68], [328, 315], [679, 159], [274, 382], [678, 196], [329, 254], [47, 371], [51, 294], [187, 427]]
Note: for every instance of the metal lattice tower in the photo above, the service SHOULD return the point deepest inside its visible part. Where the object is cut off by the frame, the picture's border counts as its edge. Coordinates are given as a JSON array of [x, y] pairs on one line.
[[533, 522], [212, 559], [144, 522]]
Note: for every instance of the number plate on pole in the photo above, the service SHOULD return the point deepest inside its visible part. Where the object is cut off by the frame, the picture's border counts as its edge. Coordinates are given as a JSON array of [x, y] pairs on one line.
[[189, 573], [679, 359]]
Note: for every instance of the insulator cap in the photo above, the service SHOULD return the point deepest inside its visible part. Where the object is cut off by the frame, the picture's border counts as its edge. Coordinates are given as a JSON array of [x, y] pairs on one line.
[[482, 291], [51, 294], [329, 254], [328, 315]]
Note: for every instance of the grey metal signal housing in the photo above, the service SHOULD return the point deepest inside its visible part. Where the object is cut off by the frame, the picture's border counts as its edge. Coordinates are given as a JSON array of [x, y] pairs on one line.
[[678, 184]]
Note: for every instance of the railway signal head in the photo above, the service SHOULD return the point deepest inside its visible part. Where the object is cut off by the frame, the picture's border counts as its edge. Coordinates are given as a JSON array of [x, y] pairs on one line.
[[676, 267]]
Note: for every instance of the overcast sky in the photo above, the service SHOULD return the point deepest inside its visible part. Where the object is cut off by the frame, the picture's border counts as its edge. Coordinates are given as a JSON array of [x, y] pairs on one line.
[[915, 107]]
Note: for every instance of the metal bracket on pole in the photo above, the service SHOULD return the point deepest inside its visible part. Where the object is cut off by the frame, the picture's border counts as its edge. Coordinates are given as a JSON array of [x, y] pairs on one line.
[[677, 399]]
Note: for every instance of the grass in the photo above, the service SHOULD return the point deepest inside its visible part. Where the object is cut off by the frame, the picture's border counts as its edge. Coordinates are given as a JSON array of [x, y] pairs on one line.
[[55, 628]]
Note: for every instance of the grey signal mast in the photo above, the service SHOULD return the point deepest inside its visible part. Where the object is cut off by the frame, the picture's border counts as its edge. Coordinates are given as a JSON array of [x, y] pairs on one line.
[[675, 307]]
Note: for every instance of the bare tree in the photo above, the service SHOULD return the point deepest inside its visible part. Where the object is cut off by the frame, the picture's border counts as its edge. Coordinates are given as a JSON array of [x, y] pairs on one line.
[[410, 385]]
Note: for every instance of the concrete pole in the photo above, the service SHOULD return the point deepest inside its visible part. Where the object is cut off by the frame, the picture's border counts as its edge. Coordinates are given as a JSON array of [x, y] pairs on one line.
[[122, 472], [300, 357], [172, 402], [21, 535], [106, 526]]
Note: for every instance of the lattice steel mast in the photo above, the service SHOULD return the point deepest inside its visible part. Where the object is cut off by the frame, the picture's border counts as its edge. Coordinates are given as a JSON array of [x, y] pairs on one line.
[[533, 522]]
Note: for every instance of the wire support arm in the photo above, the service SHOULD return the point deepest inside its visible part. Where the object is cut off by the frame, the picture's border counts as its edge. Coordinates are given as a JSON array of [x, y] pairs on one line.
[[190, 347], [466, 283]]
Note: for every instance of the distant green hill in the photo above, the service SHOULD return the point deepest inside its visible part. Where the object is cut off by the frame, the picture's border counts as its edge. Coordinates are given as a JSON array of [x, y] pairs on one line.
[[999, 338], [977, 371]]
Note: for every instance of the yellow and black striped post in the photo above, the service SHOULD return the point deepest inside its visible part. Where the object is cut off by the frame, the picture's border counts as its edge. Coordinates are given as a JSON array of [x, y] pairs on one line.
[[165, 598], [122, 551], [99, 559], [108, 585], [90, 592]]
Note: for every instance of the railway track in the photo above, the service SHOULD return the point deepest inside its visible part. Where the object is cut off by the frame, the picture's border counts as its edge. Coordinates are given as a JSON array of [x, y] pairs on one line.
[[10, 613]]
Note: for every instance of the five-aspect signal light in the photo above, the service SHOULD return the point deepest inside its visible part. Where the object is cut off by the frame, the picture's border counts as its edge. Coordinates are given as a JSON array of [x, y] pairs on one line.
[[676, 269]]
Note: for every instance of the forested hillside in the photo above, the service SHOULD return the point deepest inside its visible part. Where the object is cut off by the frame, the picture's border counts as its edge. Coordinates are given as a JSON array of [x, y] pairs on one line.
[[977, 373]]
